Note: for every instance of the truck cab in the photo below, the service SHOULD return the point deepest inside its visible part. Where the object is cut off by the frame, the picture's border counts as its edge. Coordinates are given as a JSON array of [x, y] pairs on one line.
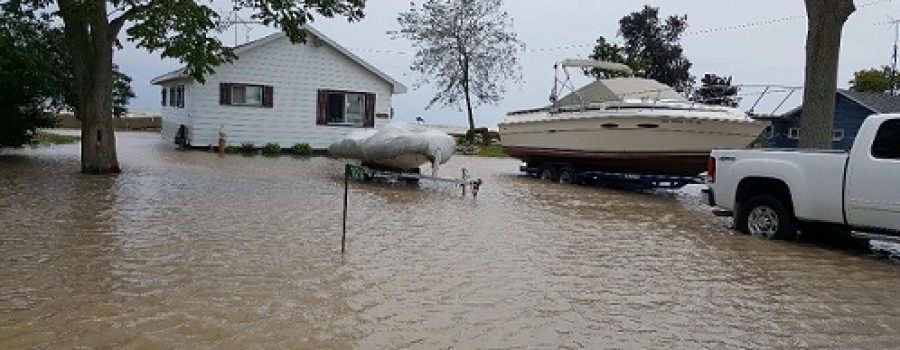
[[773, 192]]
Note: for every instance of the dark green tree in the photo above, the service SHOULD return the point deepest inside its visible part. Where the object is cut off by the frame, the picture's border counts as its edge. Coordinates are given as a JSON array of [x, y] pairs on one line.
[[651, 48], [37, 75], [181, 29], [873, 80], [716, 90]]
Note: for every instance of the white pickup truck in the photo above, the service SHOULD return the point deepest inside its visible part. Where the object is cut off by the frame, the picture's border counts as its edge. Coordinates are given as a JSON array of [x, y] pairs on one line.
[[772, 193]]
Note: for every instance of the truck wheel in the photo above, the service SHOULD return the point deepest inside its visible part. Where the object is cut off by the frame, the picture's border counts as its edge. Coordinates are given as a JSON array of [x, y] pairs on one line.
[[567, 175], [547, 173], [766, 216]]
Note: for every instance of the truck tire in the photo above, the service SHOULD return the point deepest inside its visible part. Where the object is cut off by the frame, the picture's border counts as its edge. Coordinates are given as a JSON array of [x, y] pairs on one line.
[[766, 216]]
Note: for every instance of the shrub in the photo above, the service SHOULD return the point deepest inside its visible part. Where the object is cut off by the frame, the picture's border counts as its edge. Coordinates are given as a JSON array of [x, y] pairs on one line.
[[301, 149], [232, 149], [248, 148], [271, 148]]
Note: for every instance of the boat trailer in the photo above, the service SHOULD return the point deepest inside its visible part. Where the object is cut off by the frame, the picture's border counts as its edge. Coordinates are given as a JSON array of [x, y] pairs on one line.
[[623, 181]]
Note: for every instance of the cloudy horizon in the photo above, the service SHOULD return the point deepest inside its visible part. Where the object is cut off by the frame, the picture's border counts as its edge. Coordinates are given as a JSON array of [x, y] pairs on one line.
[[757, 43]]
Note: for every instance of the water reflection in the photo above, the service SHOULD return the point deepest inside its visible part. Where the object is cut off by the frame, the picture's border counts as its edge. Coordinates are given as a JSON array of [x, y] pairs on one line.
[[187, 249]]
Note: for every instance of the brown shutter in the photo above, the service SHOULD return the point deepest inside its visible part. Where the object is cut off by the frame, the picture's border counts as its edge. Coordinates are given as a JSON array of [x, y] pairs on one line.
[[267, 98], [164, 96], [224, 94], [321, 108], [370, 111]]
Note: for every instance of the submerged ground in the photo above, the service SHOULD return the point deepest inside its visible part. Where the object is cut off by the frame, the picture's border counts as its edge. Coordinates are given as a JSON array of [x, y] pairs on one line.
[[187, 249]]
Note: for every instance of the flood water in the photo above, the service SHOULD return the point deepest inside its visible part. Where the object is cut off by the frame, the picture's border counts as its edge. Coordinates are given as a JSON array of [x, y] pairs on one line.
[[191, 250]]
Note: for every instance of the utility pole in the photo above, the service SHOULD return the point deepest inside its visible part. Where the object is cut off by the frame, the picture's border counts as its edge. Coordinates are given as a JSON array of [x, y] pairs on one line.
[[896, 24]]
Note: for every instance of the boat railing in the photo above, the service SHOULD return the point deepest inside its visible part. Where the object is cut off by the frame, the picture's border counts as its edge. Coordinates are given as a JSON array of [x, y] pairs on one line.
[[762, 96]]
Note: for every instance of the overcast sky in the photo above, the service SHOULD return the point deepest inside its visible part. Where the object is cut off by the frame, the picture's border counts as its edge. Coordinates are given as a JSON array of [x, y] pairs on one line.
[[764, 52]]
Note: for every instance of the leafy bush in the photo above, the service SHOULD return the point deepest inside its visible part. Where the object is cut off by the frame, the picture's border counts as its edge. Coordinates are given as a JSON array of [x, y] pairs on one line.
[[271, 148], [232, 149], [248, 148], [301, 149]]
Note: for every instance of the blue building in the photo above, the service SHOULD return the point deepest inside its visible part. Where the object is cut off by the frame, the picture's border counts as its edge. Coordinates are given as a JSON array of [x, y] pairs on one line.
[[851, 108]]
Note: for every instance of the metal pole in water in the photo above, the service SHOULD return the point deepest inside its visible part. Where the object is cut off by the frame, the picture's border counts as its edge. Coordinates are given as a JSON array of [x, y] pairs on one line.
[[346, 197]]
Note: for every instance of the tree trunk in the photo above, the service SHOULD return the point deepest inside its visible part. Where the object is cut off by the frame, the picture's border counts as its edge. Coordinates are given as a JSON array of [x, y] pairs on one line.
[[823, 46], [465, 84]]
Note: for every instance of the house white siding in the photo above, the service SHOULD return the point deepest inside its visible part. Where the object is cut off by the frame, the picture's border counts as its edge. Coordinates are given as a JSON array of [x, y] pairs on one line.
[[296, 72], [173, 117]]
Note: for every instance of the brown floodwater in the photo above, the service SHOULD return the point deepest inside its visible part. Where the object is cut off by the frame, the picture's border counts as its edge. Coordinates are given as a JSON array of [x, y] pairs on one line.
[[192, 250]]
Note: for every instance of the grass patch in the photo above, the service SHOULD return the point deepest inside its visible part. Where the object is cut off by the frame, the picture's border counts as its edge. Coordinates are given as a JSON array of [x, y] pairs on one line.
[[493, 151], [47, 138]]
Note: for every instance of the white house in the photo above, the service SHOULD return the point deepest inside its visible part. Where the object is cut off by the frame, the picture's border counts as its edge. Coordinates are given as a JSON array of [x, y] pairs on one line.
[[276, 91]]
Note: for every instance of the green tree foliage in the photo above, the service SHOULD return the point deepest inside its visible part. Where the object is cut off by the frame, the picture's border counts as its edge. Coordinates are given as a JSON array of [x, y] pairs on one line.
[[180, 29], [716, 90], [37, 73], [873, 80], [465, 48], [651, 48]]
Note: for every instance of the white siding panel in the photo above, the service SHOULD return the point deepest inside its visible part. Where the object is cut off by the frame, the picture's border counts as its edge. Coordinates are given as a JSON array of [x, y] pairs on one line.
[[173, 117], [296, 73]]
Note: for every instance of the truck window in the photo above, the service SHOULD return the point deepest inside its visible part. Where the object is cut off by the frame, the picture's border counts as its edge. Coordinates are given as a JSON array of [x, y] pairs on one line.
[[887, 140]]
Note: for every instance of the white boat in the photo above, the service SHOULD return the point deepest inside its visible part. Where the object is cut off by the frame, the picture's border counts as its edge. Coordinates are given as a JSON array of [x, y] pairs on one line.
[[401, 147], [627, 124]]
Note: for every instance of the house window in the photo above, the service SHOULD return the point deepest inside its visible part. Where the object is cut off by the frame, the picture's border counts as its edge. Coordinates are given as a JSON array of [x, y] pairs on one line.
[[176, 96], [165, 94], [246, 95], [887, 141], [768, 132], [346, 108], [794, 133], [838, 135]]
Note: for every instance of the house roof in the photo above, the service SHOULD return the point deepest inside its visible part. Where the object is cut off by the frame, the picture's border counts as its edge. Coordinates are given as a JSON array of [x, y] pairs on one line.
[[878, 103], [875, 102], [399, 88]]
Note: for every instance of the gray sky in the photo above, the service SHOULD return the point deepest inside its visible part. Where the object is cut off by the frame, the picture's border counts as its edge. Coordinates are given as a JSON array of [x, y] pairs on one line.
[[770, 53]]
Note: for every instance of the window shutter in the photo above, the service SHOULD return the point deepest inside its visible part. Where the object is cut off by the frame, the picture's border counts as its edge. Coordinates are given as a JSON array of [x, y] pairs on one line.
[[172, 97], [224, 94], [180, 96], [370, 111], [164, 97], [267, 96], [321, 108]]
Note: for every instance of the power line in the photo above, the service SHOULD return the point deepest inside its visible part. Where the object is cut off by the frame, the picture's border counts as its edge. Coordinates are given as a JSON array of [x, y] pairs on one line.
[[721, 29]]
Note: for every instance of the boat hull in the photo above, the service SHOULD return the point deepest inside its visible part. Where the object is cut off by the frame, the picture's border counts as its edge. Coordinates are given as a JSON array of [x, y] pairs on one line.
[[638, 144]]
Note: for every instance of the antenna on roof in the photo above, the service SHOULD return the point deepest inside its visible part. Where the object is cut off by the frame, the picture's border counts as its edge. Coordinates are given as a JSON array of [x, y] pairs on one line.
[[233, 19]]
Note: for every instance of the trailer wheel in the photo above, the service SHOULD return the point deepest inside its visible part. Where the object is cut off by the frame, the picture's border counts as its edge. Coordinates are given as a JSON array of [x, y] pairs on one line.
[[567, 175], [548, 173], [766, 216]]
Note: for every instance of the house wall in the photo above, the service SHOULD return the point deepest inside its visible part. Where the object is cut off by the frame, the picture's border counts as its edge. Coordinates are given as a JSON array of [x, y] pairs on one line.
[[174, 117], [296, 73], [848, 115]]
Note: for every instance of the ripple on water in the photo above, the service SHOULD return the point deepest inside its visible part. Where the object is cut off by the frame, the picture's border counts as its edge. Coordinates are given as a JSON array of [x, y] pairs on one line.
[[192, 250]]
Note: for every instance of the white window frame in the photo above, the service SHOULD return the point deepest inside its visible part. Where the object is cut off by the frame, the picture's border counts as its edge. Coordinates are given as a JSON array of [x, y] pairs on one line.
[[257, 103], [794, 133], [835, 137], [362, 109]]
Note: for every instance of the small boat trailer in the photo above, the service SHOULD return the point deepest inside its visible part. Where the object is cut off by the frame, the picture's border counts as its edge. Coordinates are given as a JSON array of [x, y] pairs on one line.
[[373, 173], [623, 181]]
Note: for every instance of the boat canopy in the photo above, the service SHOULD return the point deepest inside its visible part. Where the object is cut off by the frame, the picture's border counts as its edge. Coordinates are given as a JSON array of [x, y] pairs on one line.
[[619, 89], [602, 65]]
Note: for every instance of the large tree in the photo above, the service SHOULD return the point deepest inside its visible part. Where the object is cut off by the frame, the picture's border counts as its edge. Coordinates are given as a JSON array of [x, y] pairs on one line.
[[465, 48], [181, 29], [652, 48], [717, 90], [823, 45], [37, 75], [873, 80]]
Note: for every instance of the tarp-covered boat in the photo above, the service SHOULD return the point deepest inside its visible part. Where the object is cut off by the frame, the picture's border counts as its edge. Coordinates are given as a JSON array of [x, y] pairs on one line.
[[399, 146]]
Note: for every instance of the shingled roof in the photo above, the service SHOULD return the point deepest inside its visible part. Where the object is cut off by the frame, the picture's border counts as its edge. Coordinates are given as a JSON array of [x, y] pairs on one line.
[[878, 103]]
